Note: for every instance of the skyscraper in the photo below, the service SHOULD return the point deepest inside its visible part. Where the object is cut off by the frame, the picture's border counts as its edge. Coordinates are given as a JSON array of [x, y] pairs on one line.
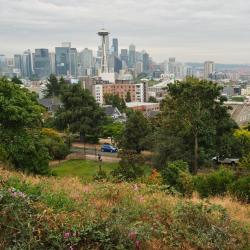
[[73, 62], [41, 63], [85, 62], [124, 56], [27, 64], [115, 47], [52, 58], [62, 61], [209, 68], [131, 56], [145, 59], [18, 65]]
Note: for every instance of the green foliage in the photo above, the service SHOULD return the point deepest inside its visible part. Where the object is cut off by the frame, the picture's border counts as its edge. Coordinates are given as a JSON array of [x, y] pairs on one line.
[[16, 80], [115, 101], [241, 189], [128, 97], [238, 98], [113, 130], [80, 114], [26, 150], [152, 99], [54, 87], [57, 147], [18, 107], [214, 183], [243, 141], [244, 164], [101, 175], [176, 174], [135, 134], [196, 222], [130, 167], [195, 119]]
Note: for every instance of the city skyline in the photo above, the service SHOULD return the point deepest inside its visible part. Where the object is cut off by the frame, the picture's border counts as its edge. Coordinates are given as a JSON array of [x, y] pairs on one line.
[[188, 30]]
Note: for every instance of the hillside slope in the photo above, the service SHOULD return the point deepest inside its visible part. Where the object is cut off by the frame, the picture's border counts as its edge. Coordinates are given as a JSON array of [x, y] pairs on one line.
[[52, 213]]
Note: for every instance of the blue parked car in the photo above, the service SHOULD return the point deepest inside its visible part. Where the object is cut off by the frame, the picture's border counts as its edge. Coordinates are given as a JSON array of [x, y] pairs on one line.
[[108, 148]]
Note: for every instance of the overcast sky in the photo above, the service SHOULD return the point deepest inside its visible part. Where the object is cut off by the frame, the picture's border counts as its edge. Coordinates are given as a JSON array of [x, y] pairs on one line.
[[190, 30]]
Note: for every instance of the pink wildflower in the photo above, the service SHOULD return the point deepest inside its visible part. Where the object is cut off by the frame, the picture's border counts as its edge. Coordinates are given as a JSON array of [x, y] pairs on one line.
[[66, 235], [132, 236], [137, 244]]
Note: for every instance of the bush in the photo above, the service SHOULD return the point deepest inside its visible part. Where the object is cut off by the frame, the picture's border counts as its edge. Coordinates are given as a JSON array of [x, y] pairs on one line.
[[241, 189], [214, 183], [26, 151], [101, 175], [130, 167], [205, 226], [177, 175], [57, 148]]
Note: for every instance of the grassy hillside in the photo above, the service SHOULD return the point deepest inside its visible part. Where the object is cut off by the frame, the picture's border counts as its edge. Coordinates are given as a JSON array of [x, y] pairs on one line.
[[52, 213]]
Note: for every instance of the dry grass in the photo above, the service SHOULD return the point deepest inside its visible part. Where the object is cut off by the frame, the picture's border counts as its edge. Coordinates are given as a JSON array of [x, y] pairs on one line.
[[111, 194]]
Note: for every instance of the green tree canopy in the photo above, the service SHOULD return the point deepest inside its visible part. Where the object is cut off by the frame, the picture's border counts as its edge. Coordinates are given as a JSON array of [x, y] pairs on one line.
[[16, 80], [115, 101], [136, 131], [194, 114], [18, 107], [20, 122], [54, 87], [80, 113]]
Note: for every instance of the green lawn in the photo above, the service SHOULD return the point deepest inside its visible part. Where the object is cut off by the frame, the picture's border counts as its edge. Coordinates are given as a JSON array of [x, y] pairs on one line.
[[81, 168], [85, 169]]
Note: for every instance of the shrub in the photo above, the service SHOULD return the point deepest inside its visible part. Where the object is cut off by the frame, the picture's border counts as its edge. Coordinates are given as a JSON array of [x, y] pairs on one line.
[[214, 183], [130, 167], [26, 151], [205, 226], [101, 175], [241, 189], [57, 148], [177, 175]]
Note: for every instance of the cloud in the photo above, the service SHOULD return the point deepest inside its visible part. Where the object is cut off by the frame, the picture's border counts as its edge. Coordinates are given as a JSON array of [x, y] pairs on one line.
[[188, 29]]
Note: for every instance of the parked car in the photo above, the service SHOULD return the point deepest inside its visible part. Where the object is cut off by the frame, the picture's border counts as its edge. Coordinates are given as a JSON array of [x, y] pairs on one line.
[[109, 148], [225, 160]]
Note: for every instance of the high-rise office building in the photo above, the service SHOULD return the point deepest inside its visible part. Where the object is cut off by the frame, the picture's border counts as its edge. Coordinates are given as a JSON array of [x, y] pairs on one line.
[[73, 62], [3, 66], [171, 65], [27, 64], [18, 65], [131, 56], [115, 48], [41, 63], [62, 61], [86, 62], [124, 56], [209, 68], [145, 59], [52, 57]]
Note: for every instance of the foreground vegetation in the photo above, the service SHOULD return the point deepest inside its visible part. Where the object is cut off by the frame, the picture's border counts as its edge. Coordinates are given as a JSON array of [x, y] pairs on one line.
[[52, 213]]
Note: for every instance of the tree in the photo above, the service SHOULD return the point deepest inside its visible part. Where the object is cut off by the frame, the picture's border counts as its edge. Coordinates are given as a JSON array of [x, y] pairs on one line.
[[128, 97], [20, 121], [193, 112], [16, 80], [115, 101], [242, 137], [113, 130], [53, 87], [130, 166], [18, 107], [152, 99], [135, 133], [80, 113]]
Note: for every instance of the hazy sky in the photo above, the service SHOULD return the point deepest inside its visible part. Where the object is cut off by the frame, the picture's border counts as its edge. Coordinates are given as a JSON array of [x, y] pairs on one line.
[[190, 30]]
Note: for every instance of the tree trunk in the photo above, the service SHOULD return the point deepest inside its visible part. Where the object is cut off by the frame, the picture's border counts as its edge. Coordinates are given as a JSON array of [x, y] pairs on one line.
[[82, 137], [196, 154]]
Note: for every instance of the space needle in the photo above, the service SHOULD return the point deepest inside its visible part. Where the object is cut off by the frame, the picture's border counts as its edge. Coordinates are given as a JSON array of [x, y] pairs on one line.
[[104, 62]]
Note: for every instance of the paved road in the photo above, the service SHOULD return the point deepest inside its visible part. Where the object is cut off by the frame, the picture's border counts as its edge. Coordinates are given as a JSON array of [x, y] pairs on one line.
[[92, 151]]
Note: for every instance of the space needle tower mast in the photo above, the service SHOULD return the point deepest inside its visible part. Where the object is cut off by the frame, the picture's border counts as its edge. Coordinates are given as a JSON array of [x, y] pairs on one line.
[[104, 62]]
